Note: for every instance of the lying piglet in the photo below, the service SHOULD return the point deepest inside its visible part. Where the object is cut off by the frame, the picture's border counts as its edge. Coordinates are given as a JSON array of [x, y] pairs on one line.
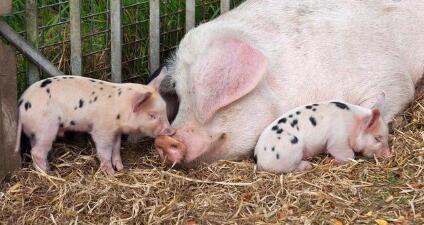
[[105, 110], [339, 128]]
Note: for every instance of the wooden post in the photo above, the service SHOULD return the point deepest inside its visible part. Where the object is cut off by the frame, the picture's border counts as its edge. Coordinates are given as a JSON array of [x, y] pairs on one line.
[[190, 14], [9, 160], [5, 7], [28, 50], [154, 35], [75, 24], [116, 40], [32, 36], [225, 6]]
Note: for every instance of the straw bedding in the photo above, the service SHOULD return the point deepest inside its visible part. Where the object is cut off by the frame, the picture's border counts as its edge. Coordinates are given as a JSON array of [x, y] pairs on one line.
[[366, 191]]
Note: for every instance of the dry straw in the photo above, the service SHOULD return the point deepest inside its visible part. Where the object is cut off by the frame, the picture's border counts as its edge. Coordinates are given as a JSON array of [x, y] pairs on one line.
[[362, 192]]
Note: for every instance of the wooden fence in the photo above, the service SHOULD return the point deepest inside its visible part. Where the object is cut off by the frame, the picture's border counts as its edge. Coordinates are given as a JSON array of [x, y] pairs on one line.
[[8, 159], [116, 43], [28, 47]]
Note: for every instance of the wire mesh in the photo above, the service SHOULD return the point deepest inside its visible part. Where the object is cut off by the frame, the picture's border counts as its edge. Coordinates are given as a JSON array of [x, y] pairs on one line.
[[53, 33]]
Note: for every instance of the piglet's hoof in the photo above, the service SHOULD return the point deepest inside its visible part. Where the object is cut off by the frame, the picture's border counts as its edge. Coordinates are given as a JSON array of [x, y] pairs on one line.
[[107, 169], [170, 150]]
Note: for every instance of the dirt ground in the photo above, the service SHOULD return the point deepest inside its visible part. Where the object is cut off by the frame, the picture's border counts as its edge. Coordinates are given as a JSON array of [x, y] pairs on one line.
[[366, 191]]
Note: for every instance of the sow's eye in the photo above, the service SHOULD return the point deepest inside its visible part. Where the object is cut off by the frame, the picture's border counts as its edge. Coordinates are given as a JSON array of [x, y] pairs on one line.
[[153, 116], [378, 138]]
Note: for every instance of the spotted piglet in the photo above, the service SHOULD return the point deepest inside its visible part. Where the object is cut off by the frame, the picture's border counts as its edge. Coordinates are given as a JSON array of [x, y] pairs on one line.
[[335, 127], [105, 110]]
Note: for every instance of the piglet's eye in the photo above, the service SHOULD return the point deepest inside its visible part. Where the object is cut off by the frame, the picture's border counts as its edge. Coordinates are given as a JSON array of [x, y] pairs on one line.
[[378, 138], [153, 116]]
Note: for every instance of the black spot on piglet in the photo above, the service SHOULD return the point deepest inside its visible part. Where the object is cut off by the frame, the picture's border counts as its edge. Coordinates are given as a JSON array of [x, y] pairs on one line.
[[308, 107], [282, 120], [313, 121], [45, 82], [81, 103], [118, 116], [275, 127], [72, 123], [294, 140], [279, 131], [341, 105], [293, 123]]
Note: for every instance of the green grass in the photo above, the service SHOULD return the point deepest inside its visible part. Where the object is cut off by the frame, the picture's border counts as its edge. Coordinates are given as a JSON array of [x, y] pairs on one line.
[[53, 34]]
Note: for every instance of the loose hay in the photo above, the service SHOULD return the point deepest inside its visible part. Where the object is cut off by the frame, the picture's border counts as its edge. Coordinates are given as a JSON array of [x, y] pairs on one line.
[[362, 192]]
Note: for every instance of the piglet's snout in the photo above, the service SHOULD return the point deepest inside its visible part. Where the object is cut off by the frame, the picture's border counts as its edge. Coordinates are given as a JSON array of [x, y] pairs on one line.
[[167, 132], [170, 149], [386, 153]]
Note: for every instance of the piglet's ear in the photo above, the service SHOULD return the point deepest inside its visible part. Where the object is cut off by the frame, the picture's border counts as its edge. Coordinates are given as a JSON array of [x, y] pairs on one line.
[[140, 100], [229, 69], [371, 120]]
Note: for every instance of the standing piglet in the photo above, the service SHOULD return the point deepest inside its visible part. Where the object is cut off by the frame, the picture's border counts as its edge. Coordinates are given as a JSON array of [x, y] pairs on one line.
[[336, 127], [105, 110]]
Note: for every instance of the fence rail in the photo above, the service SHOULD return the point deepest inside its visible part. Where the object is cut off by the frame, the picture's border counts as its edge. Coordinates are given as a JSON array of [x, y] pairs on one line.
[[118, 40]]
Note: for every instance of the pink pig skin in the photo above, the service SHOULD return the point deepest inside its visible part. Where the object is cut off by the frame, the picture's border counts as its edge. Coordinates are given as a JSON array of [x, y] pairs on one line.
[[236, 74], [338, 128], [103, 109]]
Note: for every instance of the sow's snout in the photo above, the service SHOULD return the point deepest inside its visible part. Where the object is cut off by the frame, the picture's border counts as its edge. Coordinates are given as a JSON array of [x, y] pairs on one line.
[[170, 149]]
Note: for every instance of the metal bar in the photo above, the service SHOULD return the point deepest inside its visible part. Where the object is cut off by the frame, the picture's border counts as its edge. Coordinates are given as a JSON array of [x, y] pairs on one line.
[[28, 50], [95, 14], [54, 4], [135, 4], [116, 40], [154, 35], [54, 25], [32, 36], [190, 14], [225, 6], [76, 50]]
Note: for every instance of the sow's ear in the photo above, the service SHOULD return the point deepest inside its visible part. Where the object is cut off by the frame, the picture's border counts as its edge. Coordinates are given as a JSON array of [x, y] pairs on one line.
[[158, 76], [139, 100], [162, 81], [381, 99], [230, 69]]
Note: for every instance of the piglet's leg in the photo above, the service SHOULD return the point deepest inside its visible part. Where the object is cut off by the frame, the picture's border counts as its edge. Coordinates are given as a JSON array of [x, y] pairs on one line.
[[104, 146], [303, 166], [41, 142], [39, 154], [341, 152], [116, 154]]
